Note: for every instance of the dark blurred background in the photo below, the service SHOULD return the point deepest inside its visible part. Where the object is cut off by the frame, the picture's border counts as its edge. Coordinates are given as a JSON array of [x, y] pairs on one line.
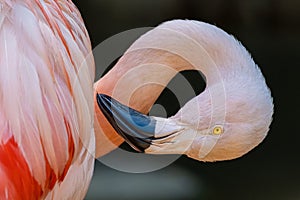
[[270, 30]]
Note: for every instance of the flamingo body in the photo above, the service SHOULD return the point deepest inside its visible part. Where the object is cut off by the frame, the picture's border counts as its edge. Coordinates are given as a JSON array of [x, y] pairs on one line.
[[46, 112]]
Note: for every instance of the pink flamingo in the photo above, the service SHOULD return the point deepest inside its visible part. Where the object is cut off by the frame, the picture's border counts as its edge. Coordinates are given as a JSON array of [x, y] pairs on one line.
[[47, 140]]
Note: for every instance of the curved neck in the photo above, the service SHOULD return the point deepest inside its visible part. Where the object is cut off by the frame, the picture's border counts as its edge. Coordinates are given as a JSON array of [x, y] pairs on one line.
[[154, 59]]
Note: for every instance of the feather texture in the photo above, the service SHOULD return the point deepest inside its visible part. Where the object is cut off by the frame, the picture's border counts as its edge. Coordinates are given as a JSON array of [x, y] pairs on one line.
[[46, 104]]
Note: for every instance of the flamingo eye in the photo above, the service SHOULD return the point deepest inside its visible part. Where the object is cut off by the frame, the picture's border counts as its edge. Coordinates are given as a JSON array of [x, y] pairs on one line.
[[218, 130]]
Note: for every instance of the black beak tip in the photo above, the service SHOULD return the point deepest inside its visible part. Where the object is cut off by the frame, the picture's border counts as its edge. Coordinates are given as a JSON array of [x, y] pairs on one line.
[[123, 119], [103, 98]]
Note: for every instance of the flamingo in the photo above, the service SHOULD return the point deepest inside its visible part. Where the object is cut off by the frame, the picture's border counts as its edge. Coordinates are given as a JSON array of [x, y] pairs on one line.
[[228, 119], [47, 142]]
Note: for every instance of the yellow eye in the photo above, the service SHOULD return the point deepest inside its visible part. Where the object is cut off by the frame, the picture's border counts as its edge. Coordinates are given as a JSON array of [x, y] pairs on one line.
[[218, 130]]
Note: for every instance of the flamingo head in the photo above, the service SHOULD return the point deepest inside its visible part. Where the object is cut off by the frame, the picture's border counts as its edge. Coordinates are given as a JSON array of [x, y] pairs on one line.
[[197, 134]]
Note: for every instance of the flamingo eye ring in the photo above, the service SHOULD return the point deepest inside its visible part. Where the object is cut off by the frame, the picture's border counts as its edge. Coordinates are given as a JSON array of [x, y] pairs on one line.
[[218, 130]]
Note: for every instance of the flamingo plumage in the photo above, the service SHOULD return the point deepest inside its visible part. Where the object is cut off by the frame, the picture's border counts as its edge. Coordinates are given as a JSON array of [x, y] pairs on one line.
[[46, 101], [47, 140], [227, 120]]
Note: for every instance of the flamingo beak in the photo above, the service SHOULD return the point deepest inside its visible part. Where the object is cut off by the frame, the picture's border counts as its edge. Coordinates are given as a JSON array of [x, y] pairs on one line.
[[136, 128]]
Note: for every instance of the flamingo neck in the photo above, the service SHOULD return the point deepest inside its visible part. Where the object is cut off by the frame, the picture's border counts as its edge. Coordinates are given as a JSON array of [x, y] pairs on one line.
[[155, 58]]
